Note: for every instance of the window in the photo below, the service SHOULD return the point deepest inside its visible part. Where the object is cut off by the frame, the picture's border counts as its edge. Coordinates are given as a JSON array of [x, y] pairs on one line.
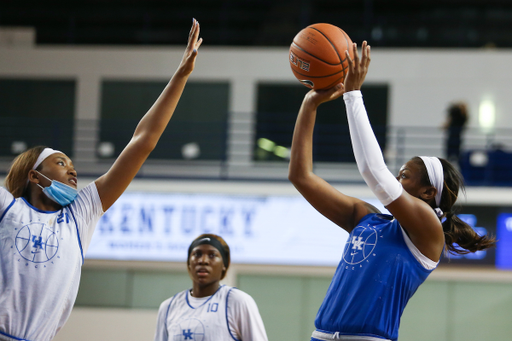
[[197, 129], [277, 109], [36, 112]]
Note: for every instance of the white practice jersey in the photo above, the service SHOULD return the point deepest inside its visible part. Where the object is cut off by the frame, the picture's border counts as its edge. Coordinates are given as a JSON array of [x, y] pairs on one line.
[[229, 314], [41, 255]]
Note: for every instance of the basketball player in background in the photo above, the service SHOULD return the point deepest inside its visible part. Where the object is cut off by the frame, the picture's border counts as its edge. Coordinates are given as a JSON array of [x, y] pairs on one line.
[[386, 257], [209, 311], [46, 225]]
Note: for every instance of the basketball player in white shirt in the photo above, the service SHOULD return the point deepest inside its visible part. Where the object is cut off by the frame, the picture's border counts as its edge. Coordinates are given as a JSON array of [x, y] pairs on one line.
[[209, 311], [46, 224]]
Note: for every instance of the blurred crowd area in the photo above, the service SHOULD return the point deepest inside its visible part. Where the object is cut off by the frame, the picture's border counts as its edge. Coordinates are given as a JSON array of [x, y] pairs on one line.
[[388, 23]]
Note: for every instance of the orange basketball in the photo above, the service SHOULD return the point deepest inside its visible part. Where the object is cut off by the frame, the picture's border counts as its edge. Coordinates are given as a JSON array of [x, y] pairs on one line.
[[317, 56]]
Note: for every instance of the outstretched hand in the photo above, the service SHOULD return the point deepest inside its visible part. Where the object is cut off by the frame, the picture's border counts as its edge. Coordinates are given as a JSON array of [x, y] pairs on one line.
[[357, 69], [189, 57]]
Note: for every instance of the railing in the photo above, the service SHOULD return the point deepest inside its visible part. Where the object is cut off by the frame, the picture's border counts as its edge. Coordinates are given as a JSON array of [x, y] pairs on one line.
[[93, 156]]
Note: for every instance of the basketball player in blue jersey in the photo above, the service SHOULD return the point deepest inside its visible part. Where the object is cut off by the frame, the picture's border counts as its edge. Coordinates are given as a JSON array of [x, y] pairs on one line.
[[386, 257], [209, 311], [46, 225]]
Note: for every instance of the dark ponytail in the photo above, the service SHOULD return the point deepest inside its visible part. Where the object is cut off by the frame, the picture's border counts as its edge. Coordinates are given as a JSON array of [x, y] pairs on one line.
[[467, 240], [460, 238], [455, 230]]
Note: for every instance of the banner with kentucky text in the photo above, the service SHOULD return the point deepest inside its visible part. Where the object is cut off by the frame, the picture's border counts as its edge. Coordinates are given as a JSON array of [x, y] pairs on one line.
[[258, 229]]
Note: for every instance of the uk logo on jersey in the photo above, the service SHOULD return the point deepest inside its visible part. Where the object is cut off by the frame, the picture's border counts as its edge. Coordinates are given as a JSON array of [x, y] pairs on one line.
[[188, 329], [360, 245], [36, 243]]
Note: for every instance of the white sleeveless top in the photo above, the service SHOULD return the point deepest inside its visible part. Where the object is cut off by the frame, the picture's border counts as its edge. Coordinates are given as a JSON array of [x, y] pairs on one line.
[[41, 255], [229, 314]]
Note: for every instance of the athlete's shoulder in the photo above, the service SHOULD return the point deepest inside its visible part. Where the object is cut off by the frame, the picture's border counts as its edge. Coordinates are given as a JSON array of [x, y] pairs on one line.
[[239, 296], [87, 202], [89, 191], [171, 300], [6, 201], [5, 195], [165, 304]]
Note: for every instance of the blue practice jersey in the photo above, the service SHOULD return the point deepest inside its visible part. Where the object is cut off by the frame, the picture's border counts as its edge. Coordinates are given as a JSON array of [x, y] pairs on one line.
[[375, 279]]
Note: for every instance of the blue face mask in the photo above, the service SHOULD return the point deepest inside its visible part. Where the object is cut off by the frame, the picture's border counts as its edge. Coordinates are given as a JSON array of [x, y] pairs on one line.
[[61, 193]]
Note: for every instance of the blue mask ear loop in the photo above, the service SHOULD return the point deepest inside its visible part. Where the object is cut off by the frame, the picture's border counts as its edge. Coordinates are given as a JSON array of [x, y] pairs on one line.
[[47, 178]]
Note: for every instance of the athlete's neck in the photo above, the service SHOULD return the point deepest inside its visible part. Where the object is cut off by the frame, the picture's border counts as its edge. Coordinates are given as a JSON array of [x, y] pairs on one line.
[[199, 290], [42, 202]]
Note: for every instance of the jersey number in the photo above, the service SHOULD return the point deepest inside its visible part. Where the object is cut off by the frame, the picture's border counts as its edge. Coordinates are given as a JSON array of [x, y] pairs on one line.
[[212, 307], [61, 217]]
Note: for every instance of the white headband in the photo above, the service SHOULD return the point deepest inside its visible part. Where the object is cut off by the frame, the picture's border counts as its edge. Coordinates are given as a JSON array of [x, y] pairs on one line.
[[435, 174], [44, 154]]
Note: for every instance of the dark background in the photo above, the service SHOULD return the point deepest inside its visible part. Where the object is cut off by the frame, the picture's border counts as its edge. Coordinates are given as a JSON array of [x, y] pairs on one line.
[[387, 23]]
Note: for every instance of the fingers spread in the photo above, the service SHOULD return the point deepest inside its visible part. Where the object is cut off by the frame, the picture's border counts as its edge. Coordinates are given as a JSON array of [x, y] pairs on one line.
[[356, 55], [349, 59], [199, 42]]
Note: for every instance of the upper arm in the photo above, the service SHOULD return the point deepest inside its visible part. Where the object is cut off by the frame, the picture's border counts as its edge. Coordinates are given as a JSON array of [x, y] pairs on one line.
[[343, 210], [115, 181], [421, 224]]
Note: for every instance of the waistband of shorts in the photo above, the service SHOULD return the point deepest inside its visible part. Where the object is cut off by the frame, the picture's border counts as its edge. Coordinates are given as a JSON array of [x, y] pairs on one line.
[[6, 337], [322, 335]]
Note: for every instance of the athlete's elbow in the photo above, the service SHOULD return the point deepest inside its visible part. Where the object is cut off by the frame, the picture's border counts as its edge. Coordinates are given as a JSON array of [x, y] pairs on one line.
[[144, 144], [295, 175]]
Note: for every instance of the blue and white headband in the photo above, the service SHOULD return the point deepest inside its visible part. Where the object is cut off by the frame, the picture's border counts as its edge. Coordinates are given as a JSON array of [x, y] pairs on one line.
[[44, 154], [436, 176]]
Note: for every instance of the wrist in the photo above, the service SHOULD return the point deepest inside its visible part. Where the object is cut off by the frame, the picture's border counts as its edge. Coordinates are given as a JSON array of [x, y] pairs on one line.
[[310, 101], [352, 94], [182, 72]]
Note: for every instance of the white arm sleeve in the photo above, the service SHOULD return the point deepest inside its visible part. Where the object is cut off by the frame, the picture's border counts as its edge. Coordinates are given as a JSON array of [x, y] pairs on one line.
[[244, 317], [369, 158]]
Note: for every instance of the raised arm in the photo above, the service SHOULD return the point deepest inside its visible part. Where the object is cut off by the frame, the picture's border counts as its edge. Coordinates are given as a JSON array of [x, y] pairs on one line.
[[414, 214], [341, 209], [113, 183]]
